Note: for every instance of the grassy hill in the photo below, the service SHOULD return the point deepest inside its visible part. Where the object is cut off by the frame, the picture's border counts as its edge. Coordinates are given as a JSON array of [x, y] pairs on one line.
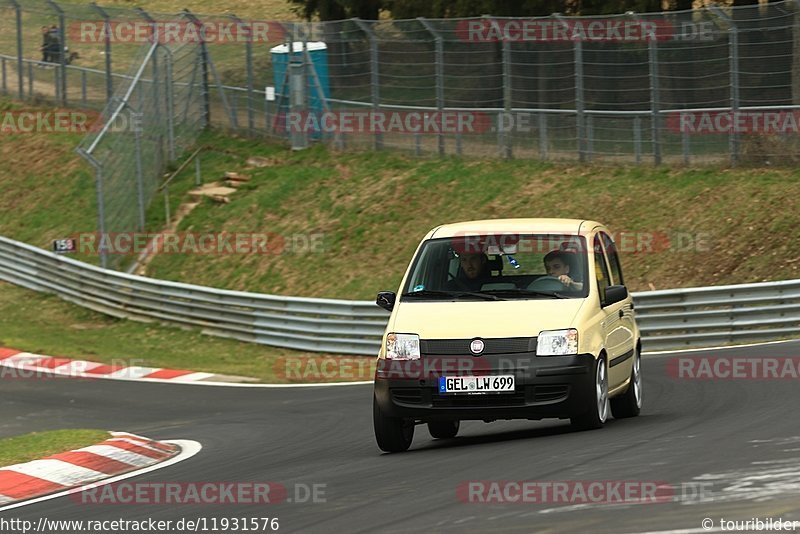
[[369, 210]]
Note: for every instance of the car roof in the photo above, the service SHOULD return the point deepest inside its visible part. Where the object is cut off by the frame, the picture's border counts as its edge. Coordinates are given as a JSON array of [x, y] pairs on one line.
[[500, 226]]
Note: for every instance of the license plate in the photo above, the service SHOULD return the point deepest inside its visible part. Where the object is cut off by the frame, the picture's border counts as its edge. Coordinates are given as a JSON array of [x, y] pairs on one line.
[[476, 384]]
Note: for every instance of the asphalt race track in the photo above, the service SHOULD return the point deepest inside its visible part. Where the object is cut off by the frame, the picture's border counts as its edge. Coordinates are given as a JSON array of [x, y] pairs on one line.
[[740, 437]]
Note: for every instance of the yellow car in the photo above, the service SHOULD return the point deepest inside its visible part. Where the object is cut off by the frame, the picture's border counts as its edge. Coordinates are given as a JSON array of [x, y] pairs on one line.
[[507, 319]]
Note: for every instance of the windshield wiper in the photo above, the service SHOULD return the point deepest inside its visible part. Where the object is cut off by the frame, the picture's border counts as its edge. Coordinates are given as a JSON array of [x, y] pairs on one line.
[[524, 292], [453, 294]]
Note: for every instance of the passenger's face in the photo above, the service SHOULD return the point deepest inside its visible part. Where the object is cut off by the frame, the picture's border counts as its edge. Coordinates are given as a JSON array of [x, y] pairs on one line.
[[471, 264], [556, 267]]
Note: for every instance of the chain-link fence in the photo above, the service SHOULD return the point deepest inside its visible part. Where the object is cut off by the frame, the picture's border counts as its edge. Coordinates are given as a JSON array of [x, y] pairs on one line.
[[710, 85], [156, 113]]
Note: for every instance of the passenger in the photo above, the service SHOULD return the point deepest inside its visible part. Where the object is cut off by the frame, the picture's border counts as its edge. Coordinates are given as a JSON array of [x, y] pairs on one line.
[[557, 264]]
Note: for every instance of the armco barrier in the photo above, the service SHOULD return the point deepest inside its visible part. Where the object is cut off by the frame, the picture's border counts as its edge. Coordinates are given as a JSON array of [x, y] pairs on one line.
[[676, 318]]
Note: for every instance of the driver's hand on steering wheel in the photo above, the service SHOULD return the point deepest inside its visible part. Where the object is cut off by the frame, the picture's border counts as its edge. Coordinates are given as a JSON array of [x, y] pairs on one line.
[[566, 280]]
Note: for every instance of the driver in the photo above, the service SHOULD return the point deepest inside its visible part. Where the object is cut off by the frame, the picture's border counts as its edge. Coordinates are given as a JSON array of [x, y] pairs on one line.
[[473, 272], [557, 263]]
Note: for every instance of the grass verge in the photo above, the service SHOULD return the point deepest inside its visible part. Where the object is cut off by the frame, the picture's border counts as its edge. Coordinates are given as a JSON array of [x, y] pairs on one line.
[[44, 324], [36, 445]]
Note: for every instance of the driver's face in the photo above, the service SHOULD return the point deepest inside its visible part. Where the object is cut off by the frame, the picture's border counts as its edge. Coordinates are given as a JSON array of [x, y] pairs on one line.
[[556, 267], [472, 265]]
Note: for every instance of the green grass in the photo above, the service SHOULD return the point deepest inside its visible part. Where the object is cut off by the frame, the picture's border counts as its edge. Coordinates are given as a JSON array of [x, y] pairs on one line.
[[371, 209], [44, 324], [36, 445]]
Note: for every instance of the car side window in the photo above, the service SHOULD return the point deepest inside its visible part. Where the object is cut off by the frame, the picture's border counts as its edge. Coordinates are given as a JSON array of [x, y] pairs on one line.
[[613, 259], [600, 268]]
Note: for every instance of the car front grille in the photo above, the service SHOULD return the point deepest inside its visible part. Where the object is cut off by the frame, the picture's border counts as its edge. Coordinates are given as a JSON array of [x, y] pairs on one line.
[[498, 345]]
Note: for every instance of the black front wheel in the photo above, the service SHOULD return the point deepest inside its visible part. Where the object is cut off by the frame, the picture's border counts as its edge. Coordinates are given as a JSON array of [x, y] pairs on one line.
[[597, 414], [393, 434], [629, 404]]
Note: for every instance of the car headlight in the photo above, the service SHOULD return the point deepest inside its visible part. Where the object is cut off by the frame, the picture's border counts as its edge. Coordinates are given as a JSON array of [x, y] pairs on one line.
[[557, 342], [402, 347]]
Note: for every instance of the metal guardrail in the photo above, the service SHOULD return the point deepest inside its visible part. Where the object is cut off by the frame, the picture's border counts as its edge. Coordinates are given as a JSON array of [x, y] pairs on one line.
[[676, 318], [323, 325]]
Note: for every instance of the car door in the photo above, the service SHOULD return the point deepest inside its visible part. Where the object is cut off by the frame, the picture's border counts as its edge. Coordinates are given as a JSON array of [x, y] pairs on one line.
[[618, 334]]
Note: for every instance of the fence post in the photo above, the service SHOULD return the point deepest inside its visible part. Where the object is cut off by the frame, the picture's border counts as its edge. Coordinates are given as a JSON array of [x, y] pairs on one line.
[[685, 146], [62, 56], [733, 58], [248, 53], [579, 101], [107, 29], [170, 105], [439, 43], [655, 92], [637, 139], [374, 74], [589, 137], [20, 65], [101, 211], [204, 60], [139, 176], [543, 141]]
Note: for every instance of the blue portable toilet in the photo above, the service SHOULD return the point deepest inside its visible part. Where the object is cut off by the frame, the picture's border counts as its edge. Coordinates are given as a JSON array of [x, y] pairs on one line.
[[318, 51]]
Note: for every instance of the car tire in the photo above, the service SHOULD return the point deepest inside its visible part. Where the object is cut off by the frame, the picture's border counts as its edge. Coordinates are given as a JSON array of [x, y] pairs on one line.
[[444, 429], [629, 404], [597, 414], [393, 434]]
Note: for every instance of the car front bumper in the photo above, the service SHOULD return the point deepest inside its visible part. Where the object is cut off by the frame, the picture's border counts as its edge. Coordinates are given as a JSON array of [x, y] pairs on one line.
[[545, 387]]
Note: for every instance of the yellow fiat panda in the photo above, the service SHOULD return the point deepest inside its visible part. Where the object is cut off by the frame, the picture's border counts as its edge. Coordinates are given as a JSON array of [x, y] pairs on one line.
[[507, 319]]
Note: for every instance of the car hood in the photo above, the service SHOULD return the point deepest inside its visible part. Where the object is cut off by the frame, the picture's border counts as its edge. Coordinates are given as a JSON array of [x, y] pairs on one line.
[[466, 319]]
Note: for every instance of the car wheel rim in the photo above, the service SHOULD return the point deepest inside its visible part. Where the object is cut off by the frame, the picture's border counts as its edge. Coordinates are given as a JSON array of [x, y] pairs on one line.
[[601, 387], [637, 380]]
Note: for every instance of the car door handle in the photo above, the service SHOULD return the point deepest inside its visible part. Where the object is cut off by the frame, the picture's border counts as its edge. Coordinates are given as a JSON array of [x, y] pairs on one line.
[[621, 313]]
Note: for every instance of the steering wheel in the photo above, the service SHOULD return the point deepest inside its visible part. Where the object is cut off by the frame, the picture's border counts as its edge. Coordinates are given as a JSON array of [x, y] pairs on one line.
[[547, 283]]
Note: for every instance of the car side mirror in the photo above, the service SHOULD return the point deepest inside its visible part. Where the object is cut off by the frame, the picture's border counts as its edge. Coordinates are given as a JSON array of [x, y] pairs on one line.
[[386, 300], [615, 294]]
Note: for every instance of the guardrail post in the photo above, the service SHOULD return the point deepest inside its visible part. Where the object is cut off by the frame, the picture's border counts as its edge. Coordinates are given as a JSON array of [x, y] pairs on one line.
[[107, 42], [439, 43], [375, 87], [62, 54], [733, 58], [20, 65]]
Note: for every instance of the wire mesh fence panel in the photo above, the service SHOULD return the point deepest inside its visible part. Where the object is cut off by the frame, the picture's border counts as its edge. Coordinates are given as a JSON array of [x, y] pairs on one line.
[[156, 113]]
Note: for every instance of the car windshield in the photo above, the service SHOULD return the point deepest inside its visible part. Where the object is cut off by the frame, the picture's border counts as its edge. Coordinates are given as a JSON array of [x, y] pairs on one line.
[[507, 266]]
